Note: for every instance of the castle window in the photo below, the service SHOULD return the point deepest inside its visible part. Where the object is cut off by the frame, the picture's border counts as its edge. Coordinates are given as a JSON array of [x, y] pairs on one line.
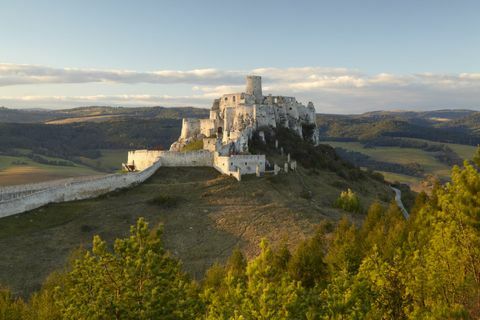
[[245, 163], [231, 163], [233, 98], [226, 98]]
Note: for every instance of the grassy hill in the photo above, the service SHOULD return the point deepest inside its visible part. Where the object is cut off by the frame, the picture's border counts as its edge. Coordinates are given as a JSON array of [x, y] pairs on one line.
[[205, 216]]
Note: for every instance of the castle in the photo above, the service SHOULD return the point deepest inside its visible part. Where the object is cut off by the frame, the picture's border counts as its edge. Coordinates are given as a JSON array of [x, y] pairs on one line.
[[223, 141], [235, 116], [223, 138]]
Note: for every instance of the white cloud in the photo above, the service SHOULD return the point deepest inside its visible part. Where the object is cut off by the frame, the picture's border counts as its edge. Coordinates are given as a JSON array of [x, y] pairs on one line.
[[117, 100], [331, 89]]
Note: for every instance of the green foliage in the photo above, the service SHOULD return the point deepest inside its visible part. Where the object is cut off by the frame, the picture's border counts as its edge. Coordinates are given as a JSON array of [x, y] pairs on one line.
[[10, 307], [307, 264], [348, 201], [193, 145], [476, 157], [138, 279], [261, 291]]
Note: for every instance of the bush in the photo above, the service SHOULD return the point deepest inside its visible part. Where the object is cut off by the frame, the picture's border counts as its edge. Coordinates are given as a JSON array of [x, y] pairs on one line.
[[348, 201], [193, 145], [164, 201]]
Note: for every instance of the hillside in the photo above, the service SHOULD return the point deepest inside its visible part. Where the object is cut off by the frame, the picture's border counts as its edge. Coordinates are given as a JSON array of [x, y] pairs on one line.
[[39, 145], [96, 114], [205, 215], [416, 148]]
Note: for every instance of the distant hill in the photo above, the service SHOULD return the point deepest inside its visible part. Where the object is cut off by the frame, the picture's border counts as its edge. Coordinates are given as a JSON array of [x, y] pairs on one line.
[[411, 147], [97, 114], [448, 126]]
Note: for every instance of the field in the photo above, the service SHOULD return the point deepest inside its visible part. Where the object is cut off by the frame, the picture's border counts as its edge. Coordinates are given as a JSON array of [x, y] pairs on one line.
[[408, 155], [404, 156], [110, 160], [20, 170], [211, 215]]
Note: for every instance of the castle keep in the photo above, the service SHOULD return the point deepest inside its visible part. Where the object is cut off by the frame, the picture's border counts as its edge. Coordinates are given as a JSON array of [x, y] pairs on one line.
[[234, 118]]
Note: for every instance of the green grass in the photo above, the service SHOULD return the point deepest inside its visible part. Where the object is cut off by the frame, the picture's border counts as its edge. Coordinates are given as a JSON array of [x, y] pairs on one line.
[[214, 215], [193, 146], [396, 177], [109, 161], [30, 171], [463, 151]]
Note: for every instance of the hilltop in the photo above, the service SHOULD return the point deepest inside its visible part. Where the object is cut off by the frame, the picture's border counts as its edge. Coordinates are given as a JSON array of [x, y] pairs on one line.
[[205, 216]]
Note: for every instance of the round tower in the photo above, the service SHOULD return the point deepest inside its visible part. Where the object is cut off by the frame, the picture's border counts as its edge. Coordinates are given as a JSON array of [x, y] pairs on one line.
[[254, 87]]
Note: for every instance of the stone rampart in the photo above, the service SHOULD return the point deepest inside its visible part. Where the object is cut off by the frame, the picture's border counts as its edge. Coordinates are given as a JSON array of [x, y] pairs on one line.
[[73, 189], [200, 158]]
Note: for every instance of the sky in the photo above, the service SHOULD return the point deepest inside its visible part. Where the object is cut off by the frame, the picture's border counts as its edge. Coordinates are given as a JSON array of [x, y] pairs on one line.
[[345, 56]]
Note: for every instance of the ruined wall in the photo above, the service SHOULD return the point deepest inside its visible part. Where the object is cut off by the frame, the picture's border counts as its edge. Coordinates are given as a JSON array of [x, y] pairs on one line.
[[210, 144], [200, 158], [75, 189], [143, 159], [208, 127], [228, 117], [221, 163], [265, 116], [247, 163], [190, 128]]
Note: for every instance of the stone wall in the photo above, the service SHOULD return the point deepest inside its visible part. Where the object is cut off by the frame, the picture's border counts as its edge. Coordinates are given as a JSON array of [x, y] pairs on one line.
[[242, 164], [208, 127], [143, 159], [210, 144], [190, 128], [201, 158], [74, 189], [247, 163]]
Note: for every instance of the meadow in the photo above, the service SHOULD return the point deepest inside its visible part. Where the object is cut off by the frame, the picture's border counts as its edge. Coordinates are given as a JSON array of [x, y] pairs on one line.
[[21, 169]]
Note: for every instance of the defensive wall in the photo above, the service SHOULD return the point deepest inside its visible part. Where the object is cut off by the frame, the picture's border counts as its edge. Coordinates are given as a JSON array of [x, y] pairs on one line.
[[33, 196], [17, 199], [230, 165]]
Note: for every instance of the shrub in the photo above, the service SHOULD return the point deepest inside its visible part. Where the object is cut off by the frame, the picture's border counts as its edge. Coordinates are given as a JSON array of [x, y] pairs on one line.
[[164, 201], [348, 201], [193, 145]]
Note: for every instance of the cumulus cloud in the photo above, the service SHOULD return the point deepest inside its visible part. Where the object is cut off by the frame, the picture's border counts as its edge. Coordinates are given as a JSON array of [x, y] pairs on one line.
[[331, 89]]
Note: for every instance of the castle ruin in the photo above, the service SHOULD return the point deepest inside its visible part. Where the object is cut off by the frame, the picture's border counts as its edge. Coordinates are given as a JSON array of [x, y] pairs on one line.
[[234, 118]]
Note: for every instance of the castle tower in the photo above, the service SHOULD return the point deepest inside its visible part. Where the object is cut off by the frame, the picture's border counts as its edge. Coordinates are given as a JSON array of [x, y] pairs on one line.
[[254, 87]]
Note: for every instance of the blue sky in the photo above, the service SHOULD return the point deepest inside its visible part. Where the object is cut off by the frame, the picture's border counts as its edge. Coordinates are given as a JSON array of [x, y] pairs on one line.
[[346, 56]]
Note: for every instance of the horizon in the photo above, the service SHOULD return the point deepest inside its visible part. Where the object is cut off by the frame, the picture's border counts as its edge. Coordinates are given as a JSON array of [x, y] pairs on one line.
[[347, 57]]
